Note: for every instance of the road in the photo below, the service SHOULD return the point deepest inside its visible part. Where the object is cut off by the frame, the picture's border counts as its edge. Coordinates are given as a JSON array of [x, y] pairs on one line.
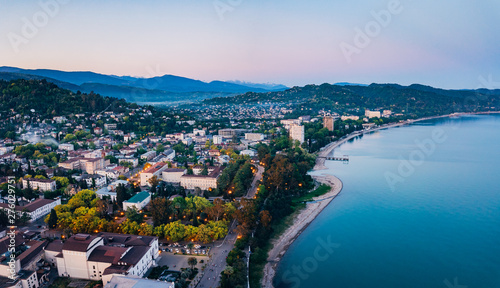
[[255, 183], [217, 261]]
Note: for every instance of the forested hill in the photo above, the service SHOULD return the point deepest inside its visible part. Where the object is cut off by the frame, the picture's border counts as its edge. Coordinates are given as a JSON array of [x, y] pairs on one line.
[[49, 100], [418, 99]]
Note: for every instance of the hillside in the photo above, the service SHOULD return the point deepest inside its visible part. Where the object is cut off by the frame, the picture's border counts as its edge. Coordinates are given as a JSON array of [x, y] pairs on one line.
[[417, 99], [48, 100]]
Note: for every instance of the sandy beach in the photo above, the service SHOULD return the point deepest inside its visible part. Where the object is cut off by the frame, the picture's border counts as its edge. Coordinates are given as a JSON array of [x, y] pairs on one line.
[[313, 209]]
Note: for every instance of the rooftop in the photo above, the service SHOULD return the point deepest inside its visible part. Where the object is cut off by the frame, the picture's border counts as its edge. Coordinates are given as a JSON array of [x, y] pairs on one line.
[[78, 242], [139, 197]]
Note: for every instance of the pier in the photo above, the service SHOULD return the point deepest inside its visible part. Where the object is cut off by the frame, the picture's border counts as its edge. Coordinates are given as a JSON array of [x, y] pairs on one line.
[[344, 158]]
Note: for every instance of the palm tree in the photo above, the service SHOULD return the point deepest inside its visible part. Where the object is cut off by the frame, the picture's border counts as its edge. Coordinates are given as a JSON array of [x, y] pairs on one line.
[[192, 262]]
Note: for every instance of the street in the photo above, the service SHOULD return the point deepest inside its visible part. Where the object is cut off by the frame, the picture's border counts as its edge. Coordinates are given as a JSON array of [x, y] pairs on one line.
[[217, 261]]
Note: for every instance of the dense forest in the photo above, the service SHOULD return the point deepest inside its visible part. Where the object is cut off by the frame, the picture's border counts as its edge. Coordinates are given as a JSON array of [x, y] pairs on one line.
[[416, 100], [48, 100]]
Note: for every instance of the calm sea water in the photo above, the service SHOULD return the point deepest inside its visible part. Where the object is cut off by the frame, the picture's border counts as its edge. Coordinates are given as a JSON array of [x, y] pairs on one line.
[[433, 221]]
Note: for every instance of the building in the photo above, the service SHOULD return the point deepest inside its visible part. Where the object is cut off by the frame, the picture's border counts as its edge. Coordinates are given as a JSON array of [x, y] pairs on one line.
[[90, 165], [349, 117], [66, 147], [249, 152], [229, 132], [97, 130], [100, 257], [254, 136], [172, 175], [199, 132], [36, 209], [287, 123], [328, 123], [204, 182], [27, 273], [138, 201], [217, 139], [387, 113], [99, 180], [110, 126], [39, 184], [71, 164], [148, 155], [297, 132], [154, 170], [372, 114]]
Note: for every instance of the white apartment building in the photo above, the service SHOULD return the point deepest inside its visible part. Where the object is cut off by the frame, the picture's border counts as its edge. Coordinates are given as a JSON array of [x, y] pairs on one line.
[[99, 180], [254, 136], [36, 209], [217, 139], [199, 132], [66, 147], [297, 132], [39, 184]]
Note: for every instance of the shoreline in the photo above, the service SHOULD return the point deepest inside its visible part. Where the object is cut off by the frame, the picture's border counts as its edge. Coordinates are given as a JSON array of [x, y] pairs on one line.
[[313, 209]]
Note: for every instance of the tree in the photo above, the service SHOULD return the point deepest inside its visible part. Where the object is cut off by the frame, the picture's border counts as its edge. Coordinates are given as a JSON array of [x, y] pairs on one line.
[[160, 210], [121, 195], [25, 217], [52, 223], [160, 148], [133, 215], [265, 218], [217, 209], [153, 181], [204, 171], [192, 262]]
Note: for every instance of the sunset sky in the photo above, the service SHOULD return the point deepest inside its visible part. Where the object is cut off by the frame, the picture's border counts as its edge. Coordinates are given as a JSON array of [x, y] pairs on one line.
[[449, 44]]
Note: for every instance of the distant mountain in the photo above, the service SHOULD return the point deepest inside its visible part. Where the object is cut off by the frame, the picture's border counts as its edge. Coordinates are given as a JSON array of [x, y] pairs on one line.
[[349, 84], [166, 88], [265, 86]]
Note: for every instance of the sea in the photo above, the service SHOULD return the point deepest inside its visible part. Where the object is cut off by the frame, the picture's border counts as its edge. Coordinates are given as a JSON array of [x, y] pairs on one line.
[[420, 208]]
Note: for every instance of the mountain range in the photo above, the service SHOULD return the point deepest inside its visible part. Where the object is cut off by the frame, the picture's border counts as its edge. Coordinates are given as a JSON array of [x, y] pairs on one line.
[[160, 89]]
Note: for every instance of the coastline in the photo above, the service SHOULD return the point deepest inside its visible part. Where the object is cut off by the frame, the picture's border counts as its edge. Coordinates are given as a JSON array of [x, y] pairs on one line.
[[313, 209]]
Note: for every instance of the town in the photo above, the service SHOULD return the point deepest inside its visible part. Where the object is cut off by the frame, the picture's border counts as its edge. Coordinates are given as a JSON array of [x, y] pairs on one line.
[[158, 194]]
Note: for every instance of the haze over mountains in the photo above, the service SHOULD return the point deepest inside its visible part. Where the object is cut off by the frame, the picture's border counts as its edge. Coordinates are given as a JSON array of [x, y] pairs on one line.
[[166, 88]]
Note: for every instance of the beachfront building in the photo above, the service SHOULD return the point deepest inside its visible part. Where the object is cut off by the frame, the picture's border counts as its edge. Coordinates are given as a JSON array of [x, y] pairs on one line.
[[102, 256], [138, 201], [39, 184]]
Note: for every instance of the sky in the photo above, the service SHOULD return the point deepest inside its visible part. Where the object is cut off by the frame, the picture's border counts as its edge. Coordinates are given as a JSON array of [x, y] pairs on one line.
[[446, 44]]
